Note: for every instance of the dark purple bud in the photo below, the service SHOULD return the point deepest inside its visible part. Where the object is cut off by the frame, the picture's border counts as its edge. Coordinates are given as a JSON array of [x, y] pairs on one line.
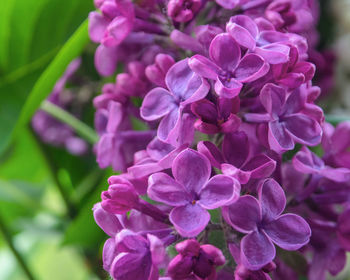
[[120, 197], [183, 10]]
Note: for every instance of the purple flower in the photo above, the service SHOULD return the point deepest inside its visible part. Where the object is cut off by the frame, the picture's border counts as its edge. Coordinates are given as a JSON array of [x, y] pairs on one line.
[[184, 87], [204, 34], [195, 259], [286, 123], [114, 24], [264, 225], [226, 66], [242, 273], [157, 71], [307, 162], [343, 229], [134, 82], [117, 144], [243, 4], [294, 72], [183, 10], [157, 157], [191, 192], [336, 143], [52, 131], [294, 15], [110, 28], [236, 158], [328, 253], [270, 44], [120, 198], [132, 256], [107, 221], [216, 118]]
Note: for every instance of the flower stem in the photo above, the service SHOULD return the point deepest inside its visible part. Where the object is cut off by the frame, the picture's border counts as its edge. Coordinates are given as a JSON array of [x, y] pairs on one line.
[[7, 236], [81, 128]]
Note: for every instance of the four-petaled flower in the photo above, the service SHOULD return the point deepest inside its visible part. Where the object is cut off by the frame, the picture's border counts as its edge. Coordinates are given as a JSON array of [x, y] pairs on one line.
[[264, 225], [184, 87], [287, 123], [227, 67], [191, 192], [195, 259]]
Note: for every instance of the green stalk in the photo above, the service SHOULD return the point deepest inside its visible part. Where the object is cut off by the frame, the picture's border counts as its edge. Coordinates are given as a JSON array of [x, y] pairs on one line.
[[80, 128], [7, 236]]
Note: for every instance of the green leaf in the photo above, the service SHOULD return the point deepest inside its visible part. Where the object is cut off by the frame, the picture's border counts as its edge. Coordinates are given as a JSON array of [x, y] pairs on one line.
[[31, 34], [83, 231], [47, 80], [85, 223]]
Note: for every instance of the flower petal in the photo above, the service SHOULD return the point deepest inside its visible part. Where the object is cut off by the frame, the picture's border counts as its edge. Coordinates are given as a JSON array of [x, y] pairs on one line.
[[244, 30], [227, 88], [225, 52], [257, 250], [272, 199], [156, 104], [273, 98], [119, 28], [189, 220], [209, 149], [279, 139], [203, 67], [106, 60], [192, 170], [236, 148], [109, 253], [244, 214], [260, 166], [108, 222], [336, 174], [289, 231], [184, 84], [250, 68], [219, 191], [169, 123], [303, 129], [131, 266], [165, 189], [274, 53], [97, 26]]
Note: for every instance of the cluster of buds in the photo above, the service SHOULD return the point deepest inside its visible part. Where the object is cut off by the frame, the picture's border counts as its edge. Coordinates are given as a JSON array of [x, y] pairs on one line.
[[209, 124]]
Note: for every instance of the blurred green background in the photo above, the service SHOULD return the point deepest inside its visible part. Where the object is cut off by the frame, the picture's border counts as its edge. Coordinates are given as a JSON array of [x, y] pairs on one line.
[[46, 194]]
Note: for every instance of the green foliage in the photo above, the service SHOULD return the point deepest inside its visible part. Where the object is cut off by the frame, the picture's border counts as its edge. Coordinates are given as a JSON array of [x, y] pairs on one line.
[[31, 33], [46, 194]]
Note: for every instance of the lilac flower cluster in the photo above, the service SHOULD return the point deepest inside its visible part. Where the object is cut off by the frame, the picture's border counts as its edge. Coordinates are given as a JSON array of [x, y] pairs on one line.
[[52, 131], [213, 98]]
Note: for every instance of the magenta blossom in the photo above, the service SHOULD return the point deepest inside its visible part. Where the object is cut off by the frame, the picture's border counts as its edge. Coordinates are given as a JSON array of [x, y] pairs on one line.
[[184, 87], [227, 67], [336, 144], [264, 225], [285, 121], [237, 158], [196, 260], [191, 192], [216, 118], [307, 162], [135, 257], [118, 142], [183, 10], [270, 44]]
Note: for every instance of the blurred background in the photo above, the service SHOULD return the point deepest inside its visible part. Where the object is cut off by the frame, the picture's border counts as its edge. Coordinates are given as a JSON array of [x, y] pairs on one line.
[[49, 179]]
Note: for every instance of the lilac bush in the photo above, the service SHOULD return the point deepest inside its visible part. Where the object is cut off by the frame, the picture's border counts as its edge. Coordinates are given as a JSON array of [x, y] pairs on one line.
[[214, 129]]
